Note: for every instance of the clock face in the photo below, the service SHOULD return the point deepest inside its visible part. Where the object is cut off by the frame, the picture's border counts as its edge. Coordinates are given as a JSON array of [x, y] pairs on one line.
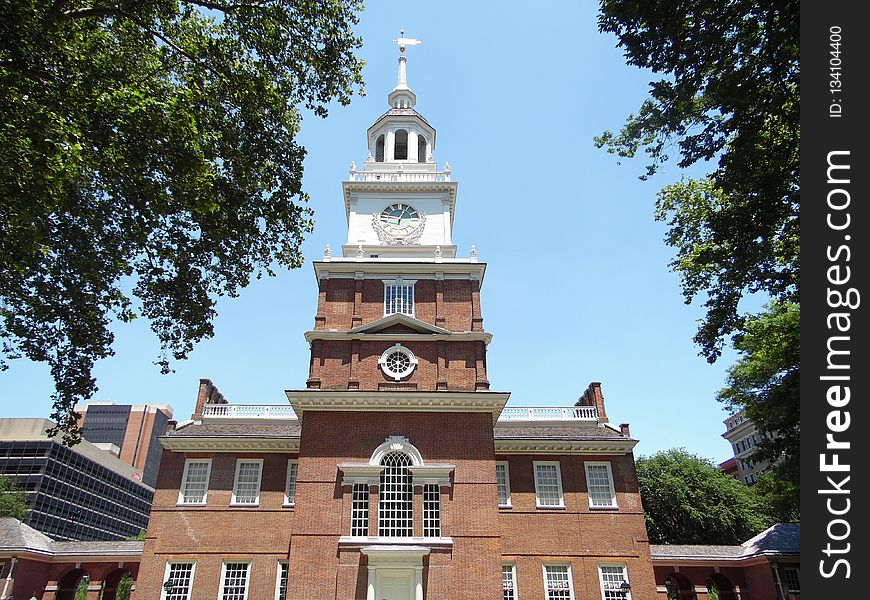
[[400, 218]]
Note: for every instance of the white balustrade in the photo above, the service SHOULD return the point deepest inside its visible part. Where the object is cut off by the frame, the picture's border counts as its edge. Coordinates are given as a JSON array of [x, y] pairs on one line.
[[549, 413], [248, 411], [391, 177]]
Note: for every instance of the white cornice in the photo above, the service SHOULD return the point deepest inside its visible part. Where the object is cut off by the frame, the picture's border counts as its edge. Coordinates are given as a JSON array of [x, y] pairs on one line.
[[394, 187], [412, 268], [396, 401], [462, 336], [189, 443], [554, 446]]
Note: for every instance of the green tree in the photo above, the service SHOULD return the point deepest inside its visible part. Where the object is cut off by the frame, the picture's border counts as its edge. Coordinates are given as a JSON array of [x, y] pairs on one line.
[[125, 587], [688, 500], [765, 380], [82, 588], [149, 164], [727, 92], [13, 500]]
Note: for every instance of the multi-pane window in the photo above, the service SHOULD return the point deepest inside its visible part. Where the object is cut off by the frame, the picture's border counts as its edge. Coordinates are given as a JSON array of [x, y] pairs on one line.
[[396, 497], [290, 490], [548, 484], [181, 576], [359, 515], [234, 581], [246, 489], [432, 510], [792, 580], [398, 297], [283, 577], [509, 582], [194, 481], [599, 483], [612, 577], [503, 481], [557, 582]]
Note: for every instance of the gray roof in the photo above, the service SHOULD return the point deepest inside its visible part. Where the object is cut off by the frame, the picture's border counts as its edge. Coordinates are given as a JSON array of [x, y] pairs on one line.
[[561, 432], [276, 429], [15, 536], [782, 538]]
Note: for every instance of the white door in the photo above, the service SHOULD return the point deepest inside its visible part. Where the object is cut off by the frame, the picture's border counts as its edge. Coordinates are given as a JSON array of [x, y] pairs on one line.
[[394, 585]]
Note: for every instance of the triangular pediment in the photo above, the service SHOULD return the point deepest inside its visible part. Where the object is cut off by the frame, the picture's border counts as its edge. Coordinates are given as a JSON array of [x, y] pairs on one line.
[[399, 319]]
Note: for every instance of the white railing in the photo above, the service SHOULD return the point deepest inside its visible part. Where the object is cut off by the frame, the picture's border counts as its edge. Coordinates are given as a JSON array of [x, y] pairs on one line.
[[248, 411], [412, 177], [549, 413]]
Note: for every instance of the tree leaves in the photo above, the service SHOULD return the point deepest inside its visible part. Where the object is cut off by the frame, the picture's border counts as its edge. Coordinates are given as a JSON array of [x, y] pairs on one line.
[[688, 500], [148, 165]]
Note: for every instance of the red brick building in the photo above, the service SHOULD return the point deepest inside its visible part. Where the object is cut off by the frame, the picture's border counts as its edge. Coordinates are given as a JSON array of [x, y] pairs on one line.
[[396, 472]]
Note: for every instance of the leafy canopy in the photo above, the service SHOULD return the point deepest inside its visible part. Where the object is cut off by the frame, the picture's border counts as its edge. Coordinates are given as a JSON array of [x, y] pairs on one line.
[[728, 90], [13, 501], [149, 164], [688, 500]]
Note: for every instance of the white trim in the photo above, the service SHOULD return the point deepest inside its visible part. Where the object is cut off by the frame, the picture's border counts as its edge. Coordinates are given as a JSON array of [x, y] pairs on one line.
[[396, 443], [396, 542], [181, 489], [400, 349], [400, 282], [278, 579], [189, 443], [563, 447], [513, 568], [221, 590], [507, 482], [625, 578], [234, 498], [287, 481], [167, 570], [570, 577], [410, 401], [600, 463], [557, 464]]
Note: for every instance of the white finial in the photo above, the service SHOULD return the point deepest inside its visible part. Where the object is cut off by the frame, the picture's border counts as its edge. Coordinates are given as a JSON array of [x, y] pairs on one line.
[[473, 251], [327, 254], [438, 253], [359, 251]]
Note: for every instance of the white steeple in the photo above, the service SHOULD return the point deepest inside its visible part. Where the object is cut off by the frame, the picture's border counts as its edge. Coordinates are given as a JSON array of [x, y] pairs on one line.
[[399, 205]]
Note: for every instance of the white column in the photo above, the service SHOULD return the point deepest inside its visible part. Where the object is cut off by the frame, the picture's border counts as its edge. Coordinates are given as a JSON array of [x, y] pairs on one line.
[[370, 590], [418, 583], [8, 578], [388, 149], [412, 145]]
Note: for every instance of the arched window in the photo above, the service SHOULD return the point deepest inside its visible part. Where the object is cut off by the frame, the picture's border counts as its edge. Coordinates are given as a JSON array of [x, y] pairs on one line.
[[421, 149], [379, 149], [396, 497], [400, 149]]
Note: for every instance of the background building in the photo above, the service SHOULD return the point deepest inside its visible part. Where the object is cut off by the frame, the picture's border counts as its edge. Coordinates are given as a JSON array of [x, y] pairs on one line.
[[744, 437], [78, 493], [129, 432]]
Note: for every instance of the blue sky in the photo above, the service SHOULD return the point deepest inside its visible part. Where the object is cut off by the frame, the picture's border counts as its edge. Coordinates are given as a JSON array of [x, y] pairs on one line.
[[577, 287]]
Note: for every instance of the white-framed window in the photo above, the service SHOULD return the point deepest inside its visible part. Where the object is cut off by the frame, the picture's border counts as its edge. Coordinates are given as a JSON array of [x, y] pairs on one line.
[[396, 497], [793, 580], [509, 582], [194, 481], [283, 578], [397, 362], [290, 488], [234, 581], [246, 486], [503, 481], [557, 582], [548, 485], [359, 512], [432, 510], [399, 296], [181, 576], [599, 485], [611, 578]]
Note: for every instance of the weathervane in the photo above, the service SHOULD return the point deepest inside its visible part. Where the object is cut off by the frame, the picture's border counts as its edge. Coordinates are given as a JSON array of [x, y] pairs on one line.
[[404, 42]]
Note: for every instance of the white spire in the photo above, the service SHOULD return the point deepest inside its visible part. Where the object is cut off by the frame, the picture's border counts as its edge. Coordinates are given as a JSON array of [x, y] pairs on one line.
[[402, 96]]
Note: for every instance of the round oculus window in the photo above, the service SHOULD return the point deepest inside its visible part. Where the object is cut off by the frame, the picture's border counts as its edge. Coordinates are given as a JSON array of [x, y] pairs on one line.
[[397, 362]]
